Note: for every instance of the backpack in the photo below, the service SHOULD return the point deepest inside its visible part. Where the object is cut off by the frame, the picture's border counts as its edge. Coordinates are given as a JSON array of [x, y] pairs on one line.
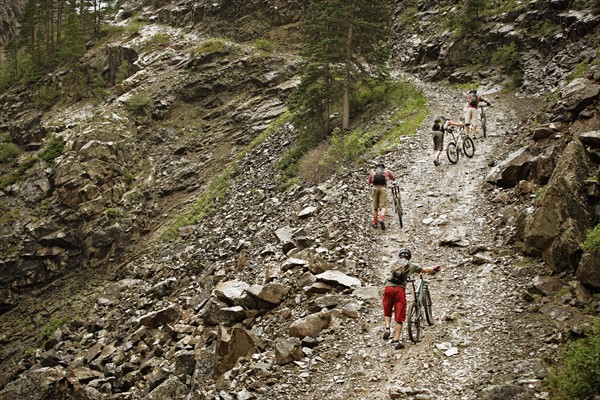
[[379, 178], [399, 274], [473, 100], [440, 124]]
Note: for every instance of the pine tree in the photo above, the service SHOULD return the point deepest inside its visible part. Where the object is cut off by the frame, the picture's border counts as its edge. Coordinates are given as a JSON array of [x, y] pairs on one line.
[[345, 41]]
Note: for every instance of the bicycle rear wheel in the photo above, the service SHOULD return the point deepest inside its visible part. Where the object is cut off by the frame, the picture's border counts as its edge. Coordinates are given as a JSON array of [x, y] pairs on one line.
[[427, 305], [414, 323], [469, 147], [398, 206], [452, 152]]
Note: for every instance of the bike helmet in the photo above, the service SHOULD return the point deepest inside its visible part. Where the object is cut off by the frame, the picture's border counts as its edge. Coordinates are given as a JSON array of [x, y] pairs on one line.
[[474, 91], [405, 253], [379, 164]]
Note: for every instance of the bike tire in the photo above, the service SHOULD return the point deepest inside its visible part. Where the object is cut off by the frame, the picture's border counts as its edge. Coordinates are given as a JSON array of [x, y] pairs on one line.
[[468, 147], [427, 305], [399, 211], [452, 152], [484, 125], [414, 323]]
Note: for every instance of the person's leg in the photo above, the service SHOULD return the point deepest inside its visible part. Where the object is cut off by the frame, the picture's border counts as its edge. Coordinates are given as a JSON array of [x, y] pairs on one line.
[[468, 121], [388, 304], [383, 201], [399, 314], [375, 196]]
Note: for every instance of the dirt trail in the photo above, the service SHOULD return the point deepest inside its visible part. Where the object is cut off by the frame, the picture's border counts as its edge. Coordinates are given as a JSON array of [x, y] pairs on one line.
[[477, 303]]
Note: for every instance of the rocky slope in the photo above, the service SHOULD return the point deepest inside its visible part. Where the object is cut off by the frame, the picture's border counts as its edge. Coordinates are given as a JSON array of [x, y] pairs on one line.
[[277, 293]]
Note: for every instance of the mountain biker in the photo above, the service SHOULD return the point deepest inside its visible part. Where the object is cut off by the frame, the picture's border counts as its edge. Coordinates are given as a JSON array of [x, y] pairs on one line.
[[378, 178], [394, 295], [472, 114], [439, 128]]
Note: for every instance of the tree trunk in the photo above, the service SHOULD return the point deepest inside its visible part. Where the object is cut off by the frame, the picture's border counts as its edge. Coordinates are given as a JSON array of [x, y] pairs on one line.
[[346, 96]]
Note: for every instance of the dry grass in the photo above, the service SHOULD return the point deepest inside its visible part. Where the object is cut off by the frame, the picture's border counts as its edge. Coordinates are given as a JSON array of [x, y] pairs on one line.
[[310, 167]]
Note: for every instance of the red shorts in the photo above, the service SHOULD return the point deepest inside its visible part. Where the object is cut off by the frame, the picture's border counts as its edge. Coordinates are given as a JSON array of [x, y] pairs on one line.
[[394, 297]]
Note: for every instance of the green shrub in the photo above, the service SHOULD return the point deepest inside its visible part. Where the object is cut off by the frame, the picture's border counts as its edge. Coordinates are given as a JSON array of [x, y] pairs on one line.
[[264, 45], [9, 152], [507, 57], [346, 149], [210, 45], [580, 70], [54, 149], [134, 28], [158, 40], [577, 375], [592, 239], [51, 326], [45, 97], [138, 103]]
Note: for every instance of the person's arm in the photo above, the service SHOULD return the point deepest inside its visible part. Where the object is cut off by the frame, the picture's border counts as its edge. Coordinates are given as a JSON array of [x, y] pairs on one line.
[[485, 101], [371, 175], [431, 270], [390, 175], [455, 123]]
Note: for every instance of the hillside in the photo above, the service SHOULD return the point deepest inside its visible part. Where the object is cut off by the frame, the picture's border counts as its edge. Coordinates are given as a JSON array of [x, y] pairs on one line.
[[276, 293]]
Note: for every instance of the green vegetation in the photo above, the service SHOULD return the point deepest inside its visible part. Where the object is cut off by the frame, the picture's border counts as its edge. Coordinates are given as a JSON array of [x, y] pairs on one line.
[[346, 148], [211, 45], [538, 192], [264, 45], [134, 28], [15, 175], [54, 149], [507, 57], [138, 104], [577, 373], [580, 70], [46, 96], [9, 152], [219, 186], [51, 326], [158, 40], [470, 18], [592, 240]]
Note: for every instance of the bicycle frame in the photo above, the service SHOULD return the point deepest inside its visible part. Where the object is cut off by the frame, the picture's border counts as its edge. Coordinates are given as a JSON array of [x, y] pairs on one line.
[[397, 202]]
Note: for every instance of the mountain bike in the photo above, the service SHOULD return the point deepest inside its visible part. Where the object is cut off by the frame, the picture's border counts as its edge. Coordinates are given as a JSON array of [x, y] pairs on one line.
[[420, 309], [483, 119], [459, 142], [397, 202]]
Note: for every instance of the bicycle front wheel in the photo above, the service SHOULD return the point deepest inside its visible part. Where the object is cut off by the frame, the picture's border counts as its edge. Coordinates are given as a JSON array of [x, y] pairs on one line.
[[414, 323], [452, 152], [484, 125], [399, 210], [468, 147], [427, 305]]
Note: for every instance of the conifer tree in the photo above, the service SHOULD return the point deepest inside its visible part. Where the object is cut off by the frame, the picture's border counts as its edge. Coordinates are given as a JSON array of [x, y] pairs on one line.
[[345, 41]]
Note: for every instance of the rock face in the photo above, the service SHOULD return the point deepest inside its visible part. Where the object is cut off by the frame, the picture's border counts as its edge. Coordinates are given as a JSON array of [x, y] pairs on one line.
[[559, 224], [10, 10]]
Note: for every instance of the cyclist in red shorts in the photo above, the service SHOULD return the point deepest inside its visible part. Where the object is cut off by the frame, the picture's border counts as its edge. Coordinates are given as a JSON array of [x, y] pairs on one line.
[[394, 295]]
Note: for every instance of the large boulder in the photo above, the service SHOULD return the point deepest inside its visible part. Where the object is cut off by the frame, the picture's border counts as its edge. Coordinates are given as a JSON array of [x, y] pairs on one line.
[[558, 225], [515, 168], [588, 270]]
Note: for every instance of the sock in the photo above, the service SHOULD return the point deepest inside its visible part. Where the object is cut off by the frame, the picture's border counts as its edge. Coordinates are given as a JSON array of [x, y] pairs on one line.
[[382, 218], [375, 220]]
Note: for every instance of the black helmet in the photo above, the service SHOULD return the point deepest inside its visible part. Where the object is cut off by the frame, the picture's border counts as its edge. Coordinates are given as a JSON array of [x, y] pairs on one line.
[[440, 119], [380, 164], [474, 91], [405, 252]]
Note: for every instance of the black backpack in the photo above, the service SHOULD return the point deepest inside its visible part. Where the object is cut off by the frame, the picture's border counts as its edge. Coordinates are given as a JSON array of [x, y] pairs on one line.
[[379, 178], [438, 124], [473, 99], [399, 275]]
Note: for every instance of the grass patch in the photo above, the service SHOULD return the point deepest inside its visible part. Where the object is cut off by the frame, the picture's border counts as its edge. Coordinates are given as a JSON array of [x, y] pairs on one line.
[[264, 45], [158, 40], [211, 45], [15, 175], [138, 104], [50, 327], [219, 186], [53, 150], [9, 152], [592, 240], [577, 373]]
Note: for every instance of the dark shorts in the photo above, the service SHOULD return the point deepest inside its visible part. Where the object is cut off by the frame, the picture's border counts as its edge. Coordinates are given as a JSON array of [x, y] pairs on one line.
[[438, 141], [394, 298]]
